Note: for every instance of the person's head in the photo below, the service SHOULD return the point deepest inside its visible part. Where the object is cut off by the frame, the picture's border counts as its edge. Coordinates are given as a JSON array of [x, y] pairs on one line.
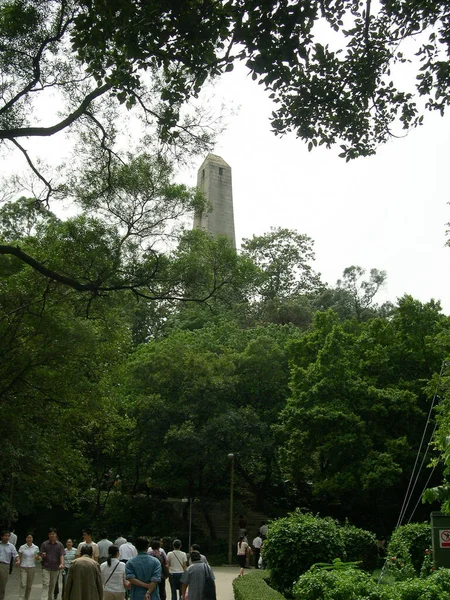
[[141, 544], [195, 556], [103, 535], [29, 539], [130, 539], [176, 544], [52, 534], [156, 544], [113, 552], [5, 536], [87, 535], [86, 550], [69, 544], [195, 547]]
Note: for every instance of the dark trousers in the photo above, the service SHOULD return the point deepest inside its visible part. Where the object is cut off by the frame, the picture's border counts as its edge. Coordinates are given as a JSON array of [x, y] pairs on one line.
[[175, 584], [162, 588], [257, 554]]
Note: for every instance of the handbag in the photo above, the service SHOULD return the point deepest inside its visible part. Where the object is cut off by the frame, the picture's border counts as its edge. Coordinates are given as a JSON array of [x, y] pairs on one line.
[[209, 591]]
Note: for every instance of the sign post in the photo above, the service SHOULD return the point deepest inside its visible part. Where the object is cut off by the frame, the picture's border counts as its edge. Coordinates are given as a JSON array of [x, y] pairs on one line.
[[440, 535]]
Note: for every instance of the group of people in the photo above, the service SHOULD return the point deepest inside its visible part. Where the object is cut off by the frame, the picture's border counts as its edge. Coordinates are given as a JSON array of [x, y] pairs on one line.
[[245, 551], [106, 570]]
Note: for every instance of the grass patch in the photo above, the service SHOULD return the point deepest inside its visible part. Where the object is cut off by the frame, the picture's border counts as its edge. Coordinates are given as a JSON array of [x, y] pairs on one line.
[[254, 586]]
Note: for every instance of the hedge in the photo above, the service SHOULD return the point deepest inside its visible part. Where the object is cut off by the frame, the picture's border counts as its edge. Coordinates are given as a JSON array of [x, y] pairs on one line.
[[408, 548], [253, 586], [357, 585], [298, 541]]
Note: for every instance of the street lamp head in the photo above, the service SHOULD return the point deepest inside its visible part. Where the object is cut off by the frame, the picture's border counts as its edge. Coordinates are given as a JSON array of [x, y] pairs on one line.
[[231, 456]]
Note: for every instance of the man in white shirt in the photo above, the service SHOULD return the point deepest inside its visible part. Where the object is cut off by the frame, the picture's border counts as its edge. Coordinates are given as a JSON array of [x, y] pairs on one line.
[[120, 540], [103, 546], [257, 543], [263, 529], [8, 552], [127, 550], [87, 537], [13, 537]]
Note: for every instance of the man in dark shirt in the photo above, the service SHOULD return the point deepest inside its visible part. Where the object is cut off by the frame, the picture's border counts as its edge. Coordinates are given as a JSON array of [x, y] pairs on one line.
[[52, 554]]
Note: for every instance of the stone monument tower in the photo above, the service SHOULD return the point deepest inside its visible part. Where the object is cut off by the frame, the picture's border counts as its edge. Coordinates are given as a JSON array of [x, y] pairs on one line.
[[214, 179]]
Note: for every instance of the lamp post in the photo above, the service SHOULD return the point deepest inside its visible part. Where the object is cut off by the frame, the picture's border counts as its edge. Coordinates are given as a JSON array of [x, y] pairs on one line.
[[230, 530]]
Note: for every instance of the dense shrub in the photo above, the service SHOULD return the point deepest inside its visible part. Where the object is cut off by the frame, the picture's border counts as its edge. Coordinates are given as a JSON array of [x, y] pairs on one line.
[[407, 548], [360, 545], [254, 587], [435, 587], [300, 540], [350, 584], [357, 585], [295, 543]]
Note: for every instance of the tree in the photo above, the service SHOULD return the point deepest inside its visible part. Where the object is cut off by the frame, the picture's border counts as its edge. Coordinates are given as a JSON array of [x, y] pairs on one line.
[[355, 417], [327, 66]]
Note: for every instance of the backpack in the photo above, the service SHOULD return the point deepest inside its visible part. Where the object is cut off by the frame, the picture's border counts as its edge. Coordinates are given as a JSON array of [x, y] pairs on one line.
[[209, 591], [164, 567]]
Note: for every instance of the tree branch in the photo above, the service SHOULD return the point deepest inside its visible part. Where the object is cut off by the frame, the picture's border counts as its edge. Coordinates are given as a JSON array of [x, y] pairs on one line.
[[10, 134], [35, 171]]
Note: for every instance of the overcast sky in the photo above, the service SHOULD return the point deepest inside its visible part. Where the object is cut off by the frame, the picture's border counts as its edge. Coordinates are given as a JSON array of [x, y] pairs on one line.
[[388, 211]]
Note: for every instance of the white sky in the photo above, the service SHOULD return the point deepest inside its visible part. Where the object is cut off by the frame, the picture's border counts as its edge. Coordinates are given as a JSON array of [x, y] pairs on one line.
[[388, 211]]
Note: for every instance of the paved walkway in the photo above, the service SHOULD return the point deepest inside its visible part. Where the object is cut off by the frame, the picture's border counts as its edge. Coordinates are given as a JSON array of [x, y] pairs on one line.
[[224, 578]]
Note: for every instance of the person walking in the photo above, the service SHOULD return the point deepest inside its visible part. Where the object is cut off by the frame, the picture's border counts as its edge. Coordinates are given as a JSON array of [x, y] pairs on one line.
[[69, 556], [177, 565], [113, 576], [13, 537], [88, 541], [155, 550], [29, 554], [84, 581], [194, 578], [242, 550], [8, 554], [52, 554], [257, 543], [196, 548], [143, 572], [103, 546], [127, 550], [120, 540]]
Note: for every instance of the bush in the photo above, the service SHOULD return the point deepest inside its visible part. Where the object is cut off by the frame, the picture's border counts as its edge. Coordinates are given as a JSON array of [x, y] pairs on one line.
[[407, 549], [299, 540], [295, 543], [435, 587], [349, 584], [360, 545], [254, 587], [357, 585]]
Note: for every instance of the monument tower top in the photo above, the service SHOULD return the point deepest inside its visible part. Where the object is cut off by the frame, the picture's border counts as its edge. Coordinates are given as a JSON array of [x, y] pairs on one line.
[[214, 179]]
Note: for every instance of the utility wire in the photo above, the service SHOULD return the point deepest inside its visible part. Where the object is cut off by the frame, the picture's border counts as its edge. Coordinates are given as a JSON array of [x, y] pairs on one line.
[[409, 491]]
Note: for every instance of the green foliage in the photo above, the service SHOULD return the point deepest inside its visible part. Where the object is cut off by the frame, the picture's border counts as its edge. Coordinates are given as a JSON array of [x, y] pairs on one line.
[[355, 585], [336, 565], [360, 545], [408, 549], [253, 586], [357, 409], [348, 584], [300, 541], [296, 542]]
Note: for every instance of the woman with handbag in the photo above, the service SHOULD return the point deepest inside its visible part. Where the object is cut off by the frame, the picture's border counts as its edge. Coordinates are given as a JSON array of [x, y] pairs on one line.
[[113, 576]]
